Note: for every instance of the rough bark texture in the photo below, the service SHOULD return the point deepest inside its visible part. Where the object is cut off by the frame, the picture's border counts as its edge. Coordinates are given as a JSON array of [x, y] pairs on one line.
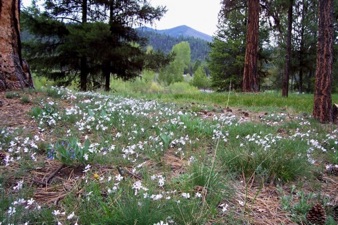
[[322, 110], [250, 74], [14, 73], [285, 89]]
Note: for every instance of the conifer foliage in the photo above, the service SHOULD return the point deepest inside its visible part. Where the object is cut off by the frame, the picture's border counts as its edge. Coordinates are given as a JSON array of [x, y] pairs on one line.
[[88, 39]]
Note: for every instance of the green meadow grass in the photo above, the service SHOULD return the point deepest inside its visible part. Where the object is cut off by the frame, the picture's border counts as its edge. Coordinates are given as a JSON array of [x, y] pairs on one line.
[[168, 157]]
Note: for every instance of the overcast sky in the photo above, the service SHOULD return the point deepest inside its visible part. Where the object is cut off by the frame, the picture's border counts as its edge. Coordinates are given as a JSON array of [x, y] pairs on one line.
[[198, 14]]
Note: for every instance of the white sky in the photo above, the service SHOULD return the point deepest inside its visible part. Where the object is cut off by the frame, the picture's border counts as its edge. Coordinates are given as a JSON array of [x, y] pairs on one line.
[[198, 14]]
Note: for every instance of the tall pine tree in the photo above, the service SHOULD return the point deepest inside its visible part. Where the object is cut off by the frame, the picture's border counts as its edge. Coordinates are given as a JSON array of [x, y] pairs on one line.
[[74, 40]]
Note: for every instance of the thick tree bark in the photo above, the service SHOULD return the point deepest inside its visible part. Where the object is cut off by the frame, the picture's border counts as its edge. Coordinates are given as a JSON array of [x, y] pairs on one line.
[[285, 89], [322, 110], [250, 74], [14, 73]]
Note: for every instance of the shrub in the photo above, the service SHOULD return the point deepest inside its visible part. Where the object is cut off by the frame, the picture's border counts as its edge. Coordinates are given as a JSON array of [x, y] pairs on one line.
[[182, 88]]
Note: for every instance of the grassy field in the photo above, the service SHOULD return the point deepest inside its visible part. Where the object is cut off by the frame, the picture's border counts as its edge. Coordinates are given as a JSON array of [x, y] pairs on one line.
[[169, 157]]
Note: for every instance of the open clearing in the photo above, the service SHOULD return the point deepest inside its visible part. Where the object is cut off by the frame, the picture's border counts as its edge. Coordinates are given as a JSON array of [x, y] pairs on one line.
[[88, 158]]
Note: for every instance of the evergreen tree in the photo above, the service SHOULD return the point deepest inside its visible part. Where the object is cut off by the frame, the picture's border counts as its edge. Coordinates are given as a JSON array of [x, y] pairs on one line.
[[303, 41], [226, 58], [200, 79], [73, 36]]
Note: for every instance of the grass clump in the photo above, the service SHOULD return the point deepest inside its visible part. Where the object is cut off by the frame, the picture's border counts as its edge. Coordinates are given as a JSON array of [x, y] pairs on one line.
[[267, 157], [25, 100], [12, 95]]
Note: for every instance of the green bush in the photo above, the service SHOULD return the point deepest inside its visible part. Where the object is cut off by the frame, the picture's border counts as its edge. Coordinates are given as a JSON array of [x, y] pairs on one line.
[[182, 88], [71, 152]]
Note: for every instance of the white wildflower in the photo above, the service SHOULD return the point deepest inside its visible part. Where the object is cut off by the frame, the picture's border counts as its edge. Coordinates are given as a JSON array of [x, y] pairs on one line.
[[87, 168], [11, 211], [71, 216], [18, 186], [186, 195], [160, 223]]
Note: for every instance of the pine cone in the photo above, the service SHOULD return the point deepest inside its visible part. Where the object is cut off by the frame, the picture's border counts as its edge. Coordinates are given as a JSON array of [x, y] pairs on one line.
[[316, 215]]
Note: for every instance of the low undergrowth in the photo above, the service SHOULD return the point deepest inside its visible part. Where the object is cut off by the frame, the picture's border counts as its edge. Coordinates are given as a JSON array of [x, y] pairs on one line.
[[89, 158]]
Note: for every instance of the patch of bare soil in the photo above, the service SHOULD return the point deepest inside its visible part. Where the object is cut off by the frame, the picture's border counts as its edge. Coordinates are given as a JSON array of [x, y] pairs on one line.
[[14, 112]]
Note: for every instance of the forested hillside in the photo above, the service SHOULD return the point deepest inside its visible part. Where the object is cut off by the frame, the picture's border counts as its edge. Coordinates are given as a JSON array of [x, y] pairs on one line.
[[164, 42]]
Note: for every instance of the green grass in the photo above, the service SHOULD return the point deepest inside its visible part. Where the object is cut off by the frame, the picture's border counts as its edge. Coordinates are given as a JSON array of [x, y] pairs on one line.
[[180, 155]]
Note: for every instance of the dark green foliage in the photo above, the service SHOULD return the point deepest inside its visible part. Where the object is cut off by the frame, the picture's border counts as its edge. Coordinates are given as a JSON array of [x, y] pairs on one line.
[[227, 52], [73, 38], [226, 64], [200, 79]]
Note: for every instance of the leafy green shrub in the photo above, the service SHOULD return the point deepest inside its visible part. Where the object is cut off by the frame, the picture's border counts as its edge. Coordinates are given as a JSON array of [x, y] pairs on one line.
[[155, 88], [200, 79], [71, 151], [182, 88], [42, 82]]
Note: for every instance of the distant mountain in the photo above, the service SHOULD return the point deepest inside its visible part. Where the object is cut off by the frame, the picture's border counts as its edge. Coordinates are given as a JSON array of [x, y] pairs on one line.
[[181, 31], [164, 40]]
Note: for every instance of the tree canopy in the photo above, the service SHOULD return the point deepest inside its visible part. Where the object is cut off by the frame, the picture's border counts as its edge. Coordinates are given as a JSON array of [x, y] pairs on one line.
[[89, 39]]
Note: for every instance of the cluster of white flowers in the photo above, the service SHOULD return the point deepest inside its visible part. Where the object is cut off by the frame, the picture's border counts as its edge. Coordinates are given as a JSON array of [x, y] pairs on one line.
[[101, 114], [137, 186], [60, 215], [160, 178]]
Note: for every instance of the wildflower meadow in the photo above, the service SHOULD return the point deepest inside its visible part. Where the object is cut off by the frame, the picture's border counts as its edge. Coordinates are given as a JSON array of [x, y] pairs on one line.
[[90, 158]]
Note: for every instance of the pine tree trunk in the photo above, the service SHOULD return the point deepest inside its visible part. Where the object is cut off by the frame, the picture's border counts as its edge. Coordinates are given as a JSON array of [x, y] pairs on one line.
[[250, 74], [285, 89], [301, 53], [14, 73], [84, 63], [322, 110], [106, 75]]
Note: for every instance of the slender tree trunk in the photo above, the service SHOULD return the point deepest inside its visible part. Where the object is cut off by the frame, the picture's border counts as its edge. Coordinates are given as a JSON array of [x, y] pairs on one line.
[[250, 74], [322, 110], [301, 52], [83, 63], [106, 75], [12, 68], [285, 89]]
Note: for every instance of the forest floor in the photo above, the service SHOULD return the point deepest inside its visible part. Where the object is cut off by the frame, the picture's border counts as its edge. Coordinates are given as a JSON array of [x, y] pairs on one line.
[[253, 201]]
